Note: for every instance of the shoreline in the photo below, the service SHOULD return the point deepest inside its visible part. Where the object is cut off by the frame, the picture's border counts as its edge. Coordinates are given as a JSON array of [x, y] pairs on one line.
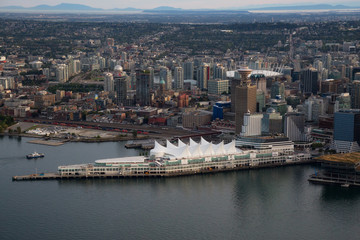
[[86, 140]]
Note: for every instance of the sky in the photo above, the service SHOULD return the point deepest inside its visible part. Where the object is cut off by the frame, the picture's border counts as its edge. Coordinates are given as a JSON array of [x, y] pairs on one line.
[[186, 4]]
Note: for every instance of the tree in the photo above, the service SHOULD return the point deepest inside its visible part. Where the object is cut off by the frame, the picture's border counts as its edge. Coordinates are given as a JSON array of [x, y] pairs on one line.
[[18, 129], [134, 133]]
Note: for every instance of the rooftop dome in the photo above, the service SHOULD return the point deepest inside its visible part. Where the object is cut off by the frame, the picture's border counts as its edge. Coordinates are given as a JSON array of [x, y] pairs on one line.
[[118, 68]]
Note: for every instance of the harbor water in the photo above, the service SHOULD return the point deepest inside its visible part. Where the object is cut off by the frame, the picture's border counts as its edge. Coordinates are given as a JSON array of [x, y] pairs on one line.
[[271, 203]]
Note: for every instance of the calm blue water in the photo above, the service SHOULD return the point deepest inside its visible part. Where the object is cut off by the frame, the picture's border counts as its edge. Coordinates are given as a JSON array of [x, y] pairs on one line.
[[276, 203]]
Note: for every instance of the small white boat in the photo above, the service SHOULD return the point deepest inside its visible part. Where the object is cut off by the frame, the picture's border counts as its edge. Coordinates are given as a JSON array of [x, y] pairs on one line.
[[35, 155]]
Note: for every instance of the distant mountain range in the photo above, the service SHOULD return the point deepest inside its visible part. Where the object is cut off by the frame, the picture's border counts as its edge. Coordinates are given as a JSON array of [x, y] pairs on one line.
[[306, 7], [67, 7], [80, 7]]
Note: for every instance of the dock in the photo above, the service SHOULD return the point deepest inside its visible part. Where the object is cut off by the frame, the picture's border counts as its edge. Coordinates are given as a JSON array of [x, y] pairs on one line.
[[47, 142], [143, 144], [334, 180], [57, 176], [338, 169]]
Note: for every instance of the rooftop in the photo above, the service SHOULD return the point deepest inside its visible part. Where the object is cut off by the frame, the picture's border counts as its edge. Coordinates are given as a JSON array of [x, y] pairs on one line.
[[352, 158], [263, 139], [133, 159]]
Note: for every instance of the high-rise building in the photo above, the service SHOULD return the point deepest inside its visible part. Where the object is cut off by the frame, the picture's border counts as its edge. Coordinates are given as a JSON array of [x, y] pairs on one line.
[[188, 70], [318, 64], [349, 70], [102, 63], [179, 78], [278, 90], [165, 75], [328, 61], [124, 56], [260, 81], [121, 90], [202, 76], [354, 71], [329, 86], [219, 72], [7, 83], [120, 81], [245, 98], [260, 100], [109, 82], [251, 124], [347, 131], [294, 124], [218, 86], [162, 87], [355, 94], [313, 108], [143, 79], [62, 73], [272, 122], [151, 71], [342, 102], [357, 76], [234, 83], [132, 82], [309, 81], [71, 67]]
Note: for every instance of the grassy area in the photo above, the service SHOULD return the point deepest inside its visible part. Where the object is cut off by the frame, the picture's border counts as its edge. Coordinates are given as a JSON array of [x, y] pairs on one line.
[[345, 158]]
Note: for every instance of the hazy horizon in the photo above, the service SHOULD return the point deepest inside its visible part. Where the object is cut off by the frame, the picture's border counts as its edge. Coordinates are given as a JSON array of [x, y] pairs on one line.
[[185, 4]]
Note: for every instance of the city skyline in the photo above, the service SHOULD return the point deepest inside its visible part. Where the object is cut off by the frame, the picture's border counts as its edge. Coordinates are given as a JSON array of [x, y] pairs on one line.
[[186, 4]]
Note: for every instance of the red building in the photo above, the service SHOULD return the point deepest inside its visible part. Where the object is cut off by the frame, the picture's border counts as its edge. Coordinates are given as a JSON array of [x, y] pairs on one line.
[[183, 100], [157, 121]]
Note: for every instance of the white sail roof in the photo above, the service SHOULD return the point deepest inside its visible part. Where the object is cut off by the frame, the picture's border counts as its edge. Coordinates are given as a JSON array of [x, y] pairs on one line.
[[159, 147], [158, 150], [207, 150], [219, 148], [181, 143], [181, 152], [193, 150], [230, 148], [203, 141], [192, 142], [170, 145]]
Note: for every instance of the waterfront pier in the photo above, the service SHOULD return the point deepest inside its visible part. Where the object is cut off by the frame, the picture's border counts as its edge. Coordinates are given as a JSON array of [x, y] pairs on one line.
[[340, 169], [58, 176]]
